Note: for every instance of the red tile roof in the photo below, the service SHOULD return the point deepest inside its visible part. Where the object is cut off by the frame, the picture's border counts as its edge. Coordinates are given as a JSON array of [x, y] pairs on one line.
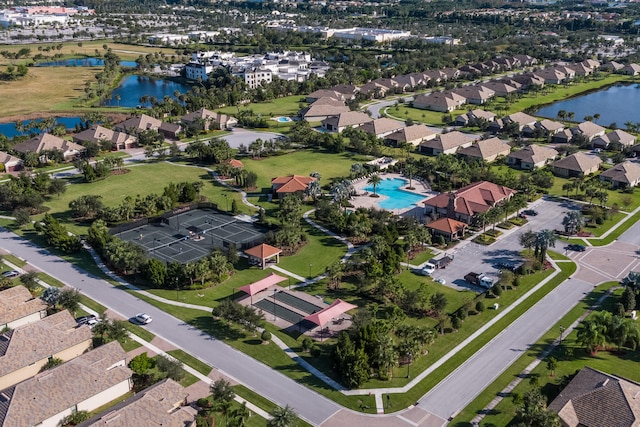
[[474, 198], [262, 251], [291, 183], [447, 225], [236, 163]]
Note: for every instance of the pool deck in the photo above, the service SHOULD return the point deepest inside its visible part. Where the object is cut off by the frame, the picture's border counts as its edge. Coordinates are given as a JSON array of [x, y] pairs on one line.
[[364, 200]]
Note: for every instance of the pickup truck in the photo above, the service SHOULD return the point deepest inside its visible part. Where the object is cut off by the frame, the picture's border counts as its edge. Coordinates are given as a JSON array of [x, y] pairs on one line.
[[479, 279]]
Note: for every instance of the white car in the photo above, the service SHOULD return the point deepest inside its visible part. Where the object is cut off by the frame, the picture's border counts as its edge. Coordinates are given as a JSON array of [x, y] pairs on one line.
[[10, 274], [143, 318], [428, 269]]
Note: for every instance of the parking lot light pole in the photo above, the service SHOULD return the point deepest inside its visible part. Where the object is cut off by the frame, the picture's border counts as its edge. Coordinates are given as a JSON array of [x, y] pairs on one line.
[[274, 304], [409, 365], [310, 270], [562, 329]]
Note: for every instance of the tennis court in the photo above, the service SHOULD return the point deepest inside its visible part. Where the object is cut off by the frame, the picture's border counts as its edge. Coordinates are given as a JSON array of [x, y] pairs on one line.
[[190, 235], [298, 303]]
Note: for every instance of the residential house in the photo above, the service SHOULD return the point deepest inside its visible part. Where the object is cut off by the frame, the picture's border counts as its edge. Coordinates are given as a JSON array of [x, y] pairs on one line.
[[569, 72], [588, 129], [551, 76], [471, 117], [622, 175], [631, 70], [97, 134], [329, 101], [204, 119], [85, 383], [487, 149], [324, 93], [595, 398], [618, 137], [413, 135], [374, 90], [143, 122], [347, 91], [341, 121], [594, 64], [531, 156], [581, 69], [382, 127], [447, 143], [475, 94], [612, 66], [45, 142], [18, 307], [439, 101], [528, 80], [500, 88], [163, 404], [468, 201], [27, 348], [562, 137], [434, 76], [447, 227], [10, 163], [409, 81], [290, 184], [548, 127], [451, 73], [576, 165], [521, 119], [317, 112]]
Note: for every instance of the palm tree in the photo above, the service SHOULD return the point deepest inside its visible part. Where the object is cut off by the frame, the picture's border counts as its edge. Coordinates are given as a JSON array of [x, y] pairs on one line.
[[283, 417], [375, 180], [591, 334], [567, 186], [544, 240], [409, 171], [623, 332]]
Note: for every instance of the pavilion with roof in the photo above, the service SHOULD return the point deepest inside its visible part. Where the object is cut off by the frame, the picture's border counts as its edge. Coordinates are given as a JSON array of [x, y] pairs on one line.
[[262, 284], [260, 254]]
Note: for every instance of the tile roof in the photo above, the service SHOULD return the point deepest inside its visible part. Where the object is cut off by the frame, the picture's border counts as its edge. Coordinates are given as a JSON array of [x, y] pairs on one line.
[[534, 154], [594, 398], [140, 123], [325, 100], [486, 149], [522, 119], [588, 129], [450, 140], [97, 133], [207, 115], [291, 183], [263, 251], [236, 163], [325, 93], [624, 138], [66, 385], [159, 405], [36, 341], [324, 110], [46, 142], [447, 225], [472, 199], [411, 133], [549, 125], [625, 172], [481, 114], [6, 158], [579, 162], [349, 118], [382, 125], [17, 302]]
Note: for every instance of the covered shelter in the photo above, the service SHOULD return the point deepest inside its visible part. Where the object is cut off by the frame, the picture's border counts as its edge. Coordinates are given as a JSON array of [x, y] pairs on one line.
[[323, 316], [262, 253], [262, 284], [451, 229]]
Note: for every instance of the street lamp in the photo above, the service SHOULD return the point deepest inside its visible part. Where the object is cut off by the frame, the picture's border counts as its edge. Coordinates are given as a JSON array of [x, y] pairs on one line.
[[409, 355], [562, 329], [310, 270], [177, 288], [226, 198], [274, 305]]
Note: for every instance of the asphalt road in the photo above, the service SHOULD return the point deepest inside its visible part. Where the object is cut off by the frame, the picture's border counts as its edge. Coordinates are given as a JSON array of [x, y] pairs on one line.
[[469, 380], [261, 378], [632, 235]]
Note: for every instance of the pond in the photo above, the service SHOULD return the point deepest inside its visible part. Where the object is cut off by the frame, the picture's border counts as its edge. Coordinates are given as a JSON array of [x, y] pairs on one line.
[[82, 62], [132, 88], [619, 104], [9, 129]]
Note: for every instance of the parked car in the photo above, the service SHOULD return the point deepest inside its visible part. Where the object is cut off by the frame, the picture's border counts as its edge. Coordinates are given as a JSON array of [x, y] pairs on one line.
[[530, 212], [143, 318], [10, 274], [576, 247], [90, 320], [428, 269]]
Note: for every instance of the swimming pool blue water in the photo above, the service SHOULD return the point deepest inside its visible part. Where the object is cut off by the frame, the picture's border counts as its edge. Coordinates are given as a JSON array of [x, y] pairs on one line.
[[283, 119], [397, 198]]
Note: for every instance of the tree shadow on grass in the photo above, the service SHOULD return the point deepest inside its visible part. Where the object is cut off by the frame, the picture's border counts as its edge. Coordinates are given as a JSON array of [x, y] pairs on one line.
[[218, 329]]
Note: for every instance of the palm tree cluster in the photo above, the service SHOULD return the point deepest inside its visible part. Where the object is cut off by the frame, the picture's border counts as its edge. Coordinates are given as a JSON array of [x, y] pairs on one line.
[[540, 241], [603, 328]]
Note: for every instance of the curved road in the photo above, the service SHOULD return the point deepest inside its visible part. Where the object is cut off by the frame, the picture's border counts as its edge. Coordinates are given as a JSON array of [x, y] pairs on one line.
[[282, 390]]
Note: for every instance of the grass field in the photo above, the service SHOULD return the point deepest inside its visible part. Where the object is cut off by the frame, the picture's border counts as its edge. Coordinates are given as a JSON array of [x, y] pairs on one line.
[[287, 106], [404, 112], [303, 162]]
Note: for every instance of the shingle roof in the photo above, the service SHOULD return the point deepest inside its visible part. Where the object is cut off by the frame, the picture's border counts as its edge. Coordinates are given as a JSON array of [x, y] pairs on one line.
[[17, 302], [589, 129], [140, 123], [158, 405], [481, 114], [624, 138], [348, 118], [521, 118], [6, 158], [486, 148], [97, 133], [579, 162], [324, 110], [325, 93], [382, 125], [64, 386], [411, 133], [325, 100], [550, 125], [626, 172], [594, 398], [46, 142], [447, 141], [36, 341], [534, 154]]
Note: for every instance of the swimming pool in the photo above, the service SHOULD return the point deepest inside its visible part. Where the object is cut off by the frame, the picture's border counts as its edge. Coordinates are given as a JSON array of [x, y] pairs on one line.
[[283, 119], [396, 198]]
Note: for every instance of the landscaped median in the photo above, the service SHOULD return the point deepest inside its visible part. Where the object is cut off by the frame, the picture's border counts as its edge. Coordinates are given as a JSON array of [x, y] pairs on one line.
[[274, 357], [505, 411]]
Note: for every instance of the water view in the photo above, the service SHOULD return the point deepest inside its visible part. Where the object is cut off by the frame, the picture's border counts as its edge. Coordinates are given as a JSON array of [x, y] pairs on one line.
[[396, 197], [9, 129], [619, 104], [82, 62], [132, 88]]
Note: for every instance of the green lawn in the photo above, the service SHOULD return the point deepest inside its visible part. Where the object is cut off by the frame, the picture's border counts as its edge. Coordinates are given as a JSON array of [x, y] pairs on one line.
[[303, 162], [421, 257], [287, 106], [191, 361], [617, 364], [404, 112]]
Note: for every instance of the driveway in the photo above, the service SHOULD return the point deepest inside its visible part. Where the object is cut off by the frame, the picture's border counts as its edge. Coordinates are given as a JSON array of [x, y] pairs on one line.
[[245, 137], [471, 256]]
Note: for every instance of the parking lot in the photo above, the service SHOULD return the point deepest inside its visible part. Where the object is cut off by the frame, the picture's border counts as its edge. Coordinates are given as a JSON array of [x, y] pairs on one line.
[[470, 256]]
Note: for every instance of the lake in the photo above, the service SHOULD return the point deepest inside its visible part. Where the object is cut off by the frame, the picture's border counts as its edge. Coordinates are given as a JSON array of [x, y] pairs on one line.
[[82, 62], [132, 88], [9, 129], [619, 104]]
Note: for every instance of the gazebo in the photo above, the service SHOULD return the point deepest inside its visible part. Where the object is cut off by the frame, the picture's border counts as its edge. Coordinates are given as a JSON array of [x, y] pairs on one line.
[[323, 316], [451, 229], [261, 253], [261, 285]]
